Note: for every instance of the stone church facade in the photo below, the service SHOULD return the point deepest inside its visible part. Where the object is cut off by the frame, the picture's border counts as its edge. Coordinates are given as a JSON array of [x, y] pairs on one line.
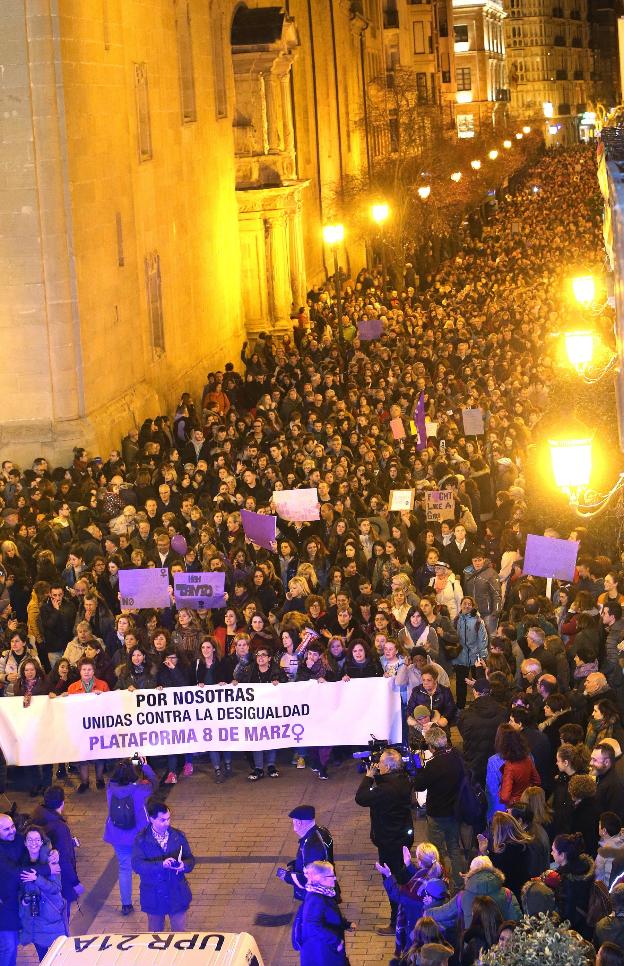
[[166, 167]]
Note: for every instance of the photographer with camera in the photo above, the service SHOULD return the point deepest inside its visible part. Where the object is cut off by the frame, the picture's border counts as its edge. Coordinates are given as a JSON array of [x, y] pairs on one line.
[[129, 787], [387, 791]]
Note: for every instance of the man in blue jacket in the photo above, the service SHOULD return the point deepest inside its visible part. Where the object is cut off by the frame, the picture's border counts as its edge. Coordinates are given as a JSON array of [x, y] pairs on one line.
[[161, 857], [11, 848]]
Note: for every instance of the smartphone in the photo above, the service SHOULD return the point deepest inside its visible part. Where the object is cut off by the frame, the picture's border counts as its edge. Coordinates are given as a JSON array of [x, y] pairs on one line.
[[442, 445]]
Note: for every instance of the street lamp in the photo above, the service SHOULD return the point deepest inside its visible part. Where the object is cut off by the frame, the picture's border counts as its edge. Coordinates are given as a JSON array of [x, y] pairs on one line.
[[579, 349], [584, 288], [526, 129], [475, 165], [379, 214], [571, 463], [507, 144], [333, 236], [424, 191], [456, 176], [493, 154], [519, 136]]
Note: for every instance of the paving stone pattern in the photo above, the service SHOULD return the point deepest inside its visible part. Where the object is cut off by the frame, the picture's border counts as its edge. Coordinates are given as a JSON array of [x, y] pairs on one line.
[[240, 834]]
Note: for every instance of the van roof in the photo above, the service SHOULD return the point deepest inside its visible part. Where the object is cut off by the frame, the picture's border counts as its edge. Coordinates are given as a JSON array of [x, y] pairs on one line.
[[151, 949]]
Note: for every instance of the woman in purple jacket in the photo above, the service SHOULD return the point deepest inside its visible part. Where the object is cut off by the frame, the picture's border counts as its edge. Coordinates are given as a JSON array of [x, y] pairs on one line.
[[129, 788]]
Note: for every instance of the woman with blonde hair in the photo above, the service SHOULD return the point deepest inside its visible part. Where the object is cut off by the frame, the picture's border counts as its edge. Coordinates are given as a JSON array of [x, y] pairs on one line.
[[399, 605], [507, 848], [17, 579], [307, 571], [188, 634], [319, 927]]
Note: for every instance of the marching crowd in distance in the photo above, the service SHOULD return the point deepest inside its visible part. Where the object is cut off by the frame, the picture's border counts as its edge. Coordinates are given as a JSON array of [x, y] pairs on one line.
[[502, 687]]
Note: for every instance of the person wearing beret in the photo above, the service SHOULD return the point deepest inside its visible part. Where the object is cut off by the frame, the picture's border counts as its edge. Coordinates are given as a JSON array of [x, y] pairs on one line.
[[315, 844]]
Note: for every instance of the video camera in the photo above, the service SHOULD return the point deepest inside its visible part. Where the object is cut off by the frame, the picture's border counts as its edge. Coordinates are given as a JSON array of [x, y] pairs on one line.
[[412, 761]]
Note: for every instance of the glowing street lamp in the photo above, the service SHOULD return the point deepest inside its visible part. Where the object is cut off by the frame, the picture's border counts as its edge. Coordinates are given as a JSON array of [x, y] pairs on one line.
[[579, 349], [548, 109], [526, 129], [493, 155], [380, 212], [475, 165], [584, 288], [424, 191], [456, 176], [571, 463], [333, 236], [507, 144], [519, 136]]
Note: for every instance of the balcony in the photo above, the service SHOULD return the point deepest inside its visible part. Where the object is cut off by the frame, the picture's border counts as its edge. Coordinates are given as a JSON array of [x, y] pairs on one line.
[[579, 75], [390, 19], [561, 74], [502, 94], [559, 40], [563, 109]]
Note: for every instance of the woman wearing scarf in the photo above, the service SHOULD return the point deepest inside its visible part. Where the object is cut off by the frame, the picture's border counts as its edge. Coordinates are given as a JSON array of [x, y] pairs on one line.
[[418, 632], [447, 588], [319, 927]]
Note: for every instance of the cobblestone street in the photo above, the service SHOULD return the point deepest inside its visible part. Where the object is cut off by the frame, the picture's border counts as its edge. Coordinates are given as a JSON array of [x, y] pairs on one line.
[[240, 834]]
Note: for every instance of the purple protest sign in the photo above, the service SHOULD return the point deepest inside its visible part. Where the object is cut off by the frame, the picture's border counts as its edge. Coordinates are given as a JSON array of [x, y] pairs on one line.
[[369, 329], [199, 591], [259, 527], [549, 557], [144, 588], [420, 423]]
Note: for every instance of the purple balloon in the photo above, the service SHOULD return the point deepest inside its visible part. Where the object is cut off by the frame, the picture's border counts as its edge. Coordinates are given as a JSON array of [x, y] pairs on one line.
[[178, 543]]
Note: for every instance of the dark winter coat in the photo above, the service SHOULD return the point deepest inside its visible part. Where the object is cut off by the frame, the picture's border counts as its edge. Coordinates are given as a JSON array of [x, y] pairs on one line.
[[441, 700], [320, 927], [10, 853], [50, 922], [389, 798], [57, 830], [477, 725], [574, 891], [316, 845], [484, 586], [610, 794], [441, 778], [163, 891], [483, 882]]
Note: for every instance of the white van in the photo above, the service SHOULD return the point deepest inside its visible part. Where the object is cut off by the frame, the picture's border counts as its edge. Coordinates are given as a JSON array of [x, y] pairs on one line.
[[154, 949]]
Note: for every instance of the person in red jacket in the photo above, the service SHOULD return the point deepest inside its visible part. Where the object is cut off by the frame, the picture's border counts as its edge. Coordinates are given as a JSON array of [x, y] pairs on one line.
[[88, 684], [519, 771]]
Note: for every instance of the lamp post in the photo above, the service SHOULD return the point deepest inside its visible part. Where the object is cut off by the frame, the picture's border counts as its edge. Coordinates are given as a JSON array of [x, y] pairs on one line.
[[379, 214], [584, 289], [333, 235]]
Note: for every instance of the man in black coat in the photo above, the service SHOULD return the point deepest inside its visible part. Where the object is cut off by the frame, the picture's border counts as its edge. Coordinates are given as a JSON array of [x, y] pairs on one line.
[[609, 787], [315, 844], [58, 615], [477, 725], [50, 818], [11, 848], [387, 791]]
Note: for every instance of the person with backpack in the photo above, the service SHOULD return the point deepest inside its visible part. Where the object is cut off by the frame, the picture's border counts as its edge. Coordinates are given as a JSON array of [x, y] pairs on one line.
[[129, 787]]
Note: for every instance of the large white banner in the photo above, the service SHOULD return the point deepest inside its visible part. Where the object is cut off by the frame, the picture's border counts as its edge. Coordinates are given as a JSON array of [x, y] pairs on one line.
[[236, 717]]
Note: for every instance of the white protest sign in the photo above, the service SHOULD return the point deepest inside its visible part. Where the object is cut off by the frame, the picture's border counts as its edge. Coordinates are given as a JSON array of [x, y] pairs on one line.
[[473, 422], [431, 429], [236, 717], [297, 505], [401, 499], [148, 587], [439, 505]]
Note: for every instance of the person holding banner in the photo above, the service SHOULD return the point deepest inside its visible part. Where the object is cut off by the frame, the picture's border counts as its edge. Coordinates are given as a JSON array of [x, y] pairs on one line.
[[210, 670], [88, 684], [263, 670]]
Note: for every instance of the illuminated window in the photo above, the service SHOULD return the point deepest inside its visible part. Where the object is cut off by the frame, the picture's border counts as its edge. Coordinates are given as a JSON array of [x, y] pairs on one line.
[[463, 79]]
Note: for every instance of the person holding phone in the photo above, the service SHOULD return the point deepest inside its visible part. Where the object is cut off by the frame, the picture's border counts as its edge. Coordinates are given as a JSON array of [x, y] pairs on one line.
[[162, 858]]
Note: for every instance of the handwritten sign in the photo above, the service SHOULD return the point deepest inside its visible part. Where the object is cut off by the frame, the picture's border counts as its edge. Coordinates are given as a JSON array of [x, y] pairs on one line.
[[144, 588], [401, 499], [198, 590], [549, 557], [297, 505], [259, 527], [473, 422], [439, 505]]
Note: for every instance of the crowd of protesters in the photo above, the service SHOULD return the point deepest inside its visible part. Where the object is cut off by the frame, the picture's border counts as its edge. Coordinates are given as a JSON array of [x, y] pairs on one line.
[[522, 689]]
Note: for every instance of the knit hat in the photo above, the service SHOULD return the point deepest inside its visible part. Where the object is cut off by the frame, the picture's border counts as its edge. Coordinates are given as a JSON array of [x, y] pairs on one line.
[[421, 711]]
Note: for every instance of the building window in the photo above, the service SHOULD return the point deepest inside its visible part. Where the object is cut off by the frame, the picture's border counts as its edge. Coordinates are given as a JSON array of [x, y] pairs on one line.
[[421, 88], [419, 37], [144, 127], [121, 261], [461, 38], [465, 126], [218, 66], [185, 61], [154, 300], [463, 79]]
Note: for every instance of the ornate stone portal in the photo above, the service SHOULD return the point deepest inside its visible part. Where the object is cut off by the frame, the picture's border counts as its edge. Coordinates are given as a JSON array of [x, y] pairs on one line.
[[264, 45]]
